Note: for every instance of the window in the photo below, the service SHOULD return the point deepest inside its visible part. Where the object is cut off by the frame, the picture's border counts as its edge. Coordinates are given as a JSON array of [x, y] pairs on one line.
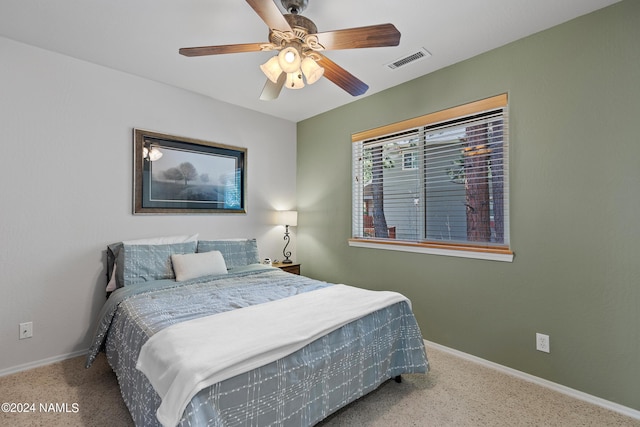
[[436, 184], [410, 159]]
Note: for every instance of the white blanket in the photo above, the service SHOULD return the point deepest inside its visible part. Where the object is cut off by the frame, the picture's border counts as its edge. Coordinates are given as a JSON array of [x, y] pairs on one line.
[[187, 357]]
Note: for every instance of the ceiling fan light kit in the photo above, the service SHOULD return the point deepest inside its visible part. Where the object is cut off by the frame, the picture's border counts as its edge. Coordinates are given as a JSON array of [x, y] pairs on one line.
[[294, 80], [272, 69], [299, 44], [311, 70], [151, 154], [289, 59], [290, 62]]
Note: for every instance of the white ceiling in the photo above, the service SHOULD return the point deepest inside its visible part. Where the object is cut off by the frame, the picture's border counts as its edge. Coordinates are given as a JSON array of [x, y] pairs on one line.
[[142, 37]]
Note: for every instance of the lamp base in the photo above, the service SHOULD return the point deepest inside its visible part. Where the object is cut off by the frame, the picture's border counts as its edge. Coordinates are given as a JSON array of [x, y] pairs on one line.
[[287, 261]]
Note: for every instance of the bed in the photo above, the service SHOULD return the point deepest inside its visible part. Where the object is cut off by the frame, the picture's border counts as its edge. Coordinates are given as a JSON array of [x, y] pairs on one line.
[[199, 333]]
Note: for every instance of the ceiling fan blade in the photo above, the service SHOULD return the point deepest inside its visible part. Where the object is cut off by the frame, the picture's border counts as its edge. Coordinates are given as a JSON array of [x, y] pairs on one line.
[[222, 49], [341, 77], [270, 14], [354, 38], [272, 90]]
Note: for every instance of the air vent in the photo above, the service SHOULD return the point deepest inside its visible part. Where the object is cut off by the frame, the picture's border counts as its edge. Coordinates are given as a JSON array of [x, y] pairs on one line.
[[408, 59]]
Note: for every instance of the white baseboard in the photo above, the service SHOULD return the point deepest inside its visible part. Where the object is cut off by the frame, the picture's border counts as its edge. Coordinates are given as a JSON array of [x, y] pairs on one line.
[[43, 362], [612, 406], [621, 409]]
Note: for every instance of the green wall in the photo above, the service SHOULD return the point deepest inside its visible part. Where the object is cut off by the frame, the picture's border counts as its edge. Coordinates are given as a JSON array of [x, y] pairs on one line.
[[574, 103]]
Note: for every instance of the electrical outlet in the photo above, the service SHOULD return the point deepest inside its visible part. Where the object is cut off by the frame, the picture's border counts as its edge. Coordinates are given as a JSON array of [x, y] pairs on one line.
[[542, 343], [26, 330]]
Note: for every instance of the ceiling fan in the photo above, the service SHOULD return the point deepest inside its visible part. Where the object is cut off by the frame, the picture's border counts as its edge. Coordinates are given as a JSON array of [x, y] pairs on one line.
[[299, 44]]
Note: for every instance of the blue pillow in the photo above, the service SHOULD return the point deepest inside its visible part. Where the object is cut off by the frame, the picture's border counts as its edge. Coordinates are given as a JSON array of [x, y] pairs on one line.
[[144, 263], [236, 252], [115, 255]]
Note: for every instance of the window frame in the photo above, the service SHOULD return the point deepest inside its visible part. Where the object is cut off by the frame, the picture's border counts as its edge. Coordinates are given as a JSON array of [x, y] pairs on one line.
[[496, 252]]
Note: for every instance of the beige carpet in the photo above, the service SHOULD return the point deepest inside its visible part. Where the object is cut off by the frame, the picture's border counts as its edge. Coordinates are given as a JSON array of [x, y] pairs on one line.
[[456, 392]]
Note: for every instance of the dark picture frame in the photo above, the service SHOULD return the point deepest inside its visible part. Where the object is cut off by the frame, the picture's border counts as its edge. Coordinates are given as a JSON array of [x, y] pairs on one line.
[[177, 175]]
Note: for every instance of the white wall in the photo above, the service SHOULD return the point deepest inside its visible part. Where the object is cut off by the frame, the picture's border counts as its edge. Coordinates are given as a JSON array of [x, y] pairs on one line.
[[66, 187]]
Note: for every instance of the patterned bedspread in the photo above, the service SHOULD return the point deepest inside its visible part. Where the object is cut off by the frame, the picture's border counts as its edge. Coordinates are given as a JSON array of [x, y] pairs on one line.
[[298, 390]]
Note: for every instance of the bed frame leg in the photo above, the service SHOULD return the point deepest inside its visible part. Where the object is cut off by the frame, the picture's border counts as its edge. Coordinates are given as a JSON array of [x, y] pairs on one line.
[[398, 379]]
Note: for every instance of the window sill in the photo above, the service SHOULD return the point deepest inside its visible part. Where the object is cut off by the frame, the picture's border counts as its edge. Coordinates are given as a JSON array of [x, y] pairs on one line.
[[488, 253]]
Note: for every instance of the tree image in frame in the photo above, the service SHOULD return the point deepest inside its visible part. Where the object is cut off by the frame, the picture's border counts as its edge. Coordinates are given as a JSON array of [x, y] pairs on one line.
[[190, 177], [188, 171]]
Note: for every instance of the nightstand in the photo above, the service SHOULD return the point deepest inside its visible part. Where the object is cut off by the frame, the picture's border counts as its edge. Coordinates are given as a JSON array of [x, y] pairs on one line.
[[293, 268]]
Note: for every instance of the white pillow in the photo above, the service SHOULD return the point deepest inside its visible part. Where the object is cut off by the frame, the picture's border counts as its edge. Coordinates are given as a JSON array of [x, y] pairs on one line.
[[190, 266]]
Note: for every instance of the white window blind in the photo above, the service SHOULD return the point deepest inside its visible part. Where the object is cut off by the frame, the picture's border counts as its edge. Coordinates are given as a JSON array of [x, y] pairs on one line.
[[442, 180]]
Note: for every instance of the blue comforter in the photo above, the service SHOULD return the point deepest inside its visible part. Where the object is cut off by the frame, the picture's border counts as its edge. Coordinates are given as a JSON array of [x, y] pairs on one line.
[[300, 389]]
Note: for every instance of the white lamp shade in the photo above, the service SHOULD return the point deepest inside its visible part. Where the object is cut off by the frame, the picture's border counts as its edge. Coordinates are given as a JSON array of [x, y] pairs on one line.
[[272, 69], [312, 71], [289, 59], [289, 218], [294, 80]]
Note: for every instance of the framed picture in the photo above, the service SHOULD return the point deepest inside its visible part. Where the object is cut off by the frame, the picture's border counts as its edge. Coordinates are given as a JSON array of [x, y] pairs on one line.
[[175, 175]]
